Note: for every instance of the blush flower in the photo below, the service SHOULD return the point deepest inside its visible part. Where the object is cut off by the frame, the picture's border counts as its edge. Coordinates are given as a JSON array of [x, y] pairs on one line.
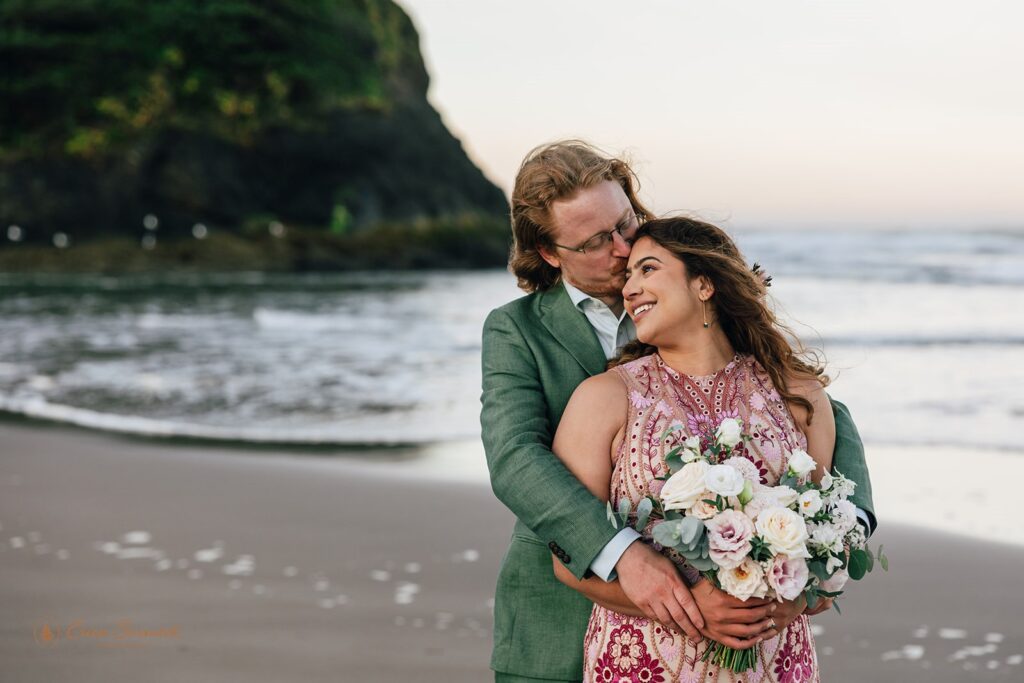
[[787, 576], [729, 535]]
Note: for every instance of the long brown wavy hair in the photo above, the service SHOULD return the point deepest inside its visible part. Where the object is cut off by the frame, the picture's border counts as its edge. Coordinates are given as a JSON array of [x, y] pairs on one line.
[[554, 171], [739, 303]]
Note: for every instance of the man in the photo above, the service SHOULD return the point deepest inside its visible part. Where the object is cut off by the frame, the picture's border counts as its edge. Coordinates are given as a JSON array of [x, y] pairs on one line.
[[573, 214]]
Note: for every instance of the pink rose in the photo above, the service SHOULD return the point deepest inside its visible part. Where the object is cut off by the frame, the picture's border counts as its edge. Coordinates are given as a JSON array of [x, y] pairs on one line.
[[788, 576], [729, 534]]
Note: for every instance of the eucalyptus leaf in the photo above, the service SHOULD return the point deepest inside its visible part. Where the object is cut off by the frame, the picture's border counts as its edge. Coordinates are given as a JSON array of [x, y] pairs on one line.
[[611, 516], [817, 568], [672, 429], [643, 513], [835, 604], [666, 533], [701, 564], [624, 508], [690, 529], [858, 564], [674, 461], [812, 598]]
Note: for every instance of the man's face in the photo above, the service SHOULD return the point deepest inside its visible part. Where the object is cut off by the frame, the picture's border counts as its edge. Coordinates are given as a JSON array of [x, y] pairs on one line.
[[600, 272]]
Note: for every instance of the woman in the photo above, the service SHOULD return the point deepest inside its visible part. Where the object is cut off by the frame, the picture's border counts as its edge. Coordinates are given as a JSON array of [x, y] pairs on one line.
[[708, 347]]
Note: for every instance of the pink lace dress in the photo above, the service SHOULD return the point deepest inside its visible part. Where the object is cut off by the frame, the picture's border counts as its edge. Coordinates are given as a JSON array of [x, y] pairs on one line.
[[622, 648]]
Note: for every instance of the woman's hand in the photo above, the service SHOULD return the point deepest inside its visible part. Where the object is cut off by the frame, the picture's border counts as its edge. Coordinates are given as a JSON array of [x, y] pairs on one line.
[[822, 605], [739, 624], [787, 611]]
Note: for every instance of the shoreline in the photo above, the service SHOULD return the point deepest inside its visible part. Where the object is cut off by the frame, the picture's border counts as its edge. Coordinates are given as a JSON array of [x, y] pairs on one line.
[[279, 566], [906, 479]]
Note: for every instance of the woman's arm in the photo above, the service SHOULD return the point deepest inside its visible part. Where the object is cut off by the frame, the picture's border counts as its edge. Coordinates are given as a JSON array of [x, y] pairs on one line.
[[592, 425]]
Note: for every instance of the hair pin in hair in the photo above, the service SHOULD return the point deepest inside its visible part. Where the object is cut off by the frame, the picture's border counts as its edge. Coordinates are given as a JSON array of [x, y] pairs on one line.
[[766, 279]]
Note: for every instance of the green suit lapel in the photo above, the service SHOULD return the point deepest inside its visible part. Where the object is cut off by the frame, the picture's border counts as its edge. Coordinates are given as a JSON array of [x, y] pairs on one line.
[[571, 329]]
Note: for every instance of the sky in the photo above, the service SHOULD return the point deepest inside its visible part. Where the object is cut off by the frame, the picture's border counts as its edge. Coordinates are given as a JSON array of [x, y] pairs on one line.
[[865, 113]]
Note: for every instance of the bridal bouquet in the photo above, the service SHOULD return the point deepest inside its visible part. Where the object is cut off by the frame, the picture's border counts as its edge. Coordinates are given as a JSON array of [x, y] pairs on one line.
[[748, 539]]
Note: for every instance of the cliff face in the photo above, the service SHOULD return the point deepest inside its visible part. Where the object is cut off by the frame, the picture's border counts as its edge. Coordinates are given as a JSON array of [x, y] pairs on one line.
[[232, 113]]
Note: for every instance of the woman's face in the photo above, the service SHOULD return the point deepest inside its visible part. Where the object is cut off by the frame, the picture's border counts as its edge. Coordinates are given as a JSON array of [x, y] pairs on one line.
[[663, 301]]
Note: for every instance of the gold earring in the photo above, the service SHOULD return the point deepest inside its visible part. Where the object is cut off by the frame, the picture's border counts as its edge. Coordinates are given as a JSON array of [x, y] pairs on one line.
[[704, 305]]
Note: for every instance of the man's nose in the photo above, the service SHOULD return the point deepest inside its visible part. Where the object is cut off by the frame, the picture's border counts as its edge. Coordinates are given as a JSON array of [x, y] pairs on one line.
[[620, 247]]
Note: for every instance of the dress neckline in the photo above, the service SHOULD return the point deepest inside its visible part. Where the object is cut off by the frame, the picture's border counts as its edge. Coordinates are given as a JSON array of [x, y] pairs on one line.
[[676, 375]]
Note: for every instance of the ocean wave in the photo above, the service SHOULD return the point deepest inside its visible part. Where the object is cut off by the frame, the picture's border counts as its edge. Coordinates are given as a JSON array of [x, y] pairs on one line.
[[919, 341], [362, 434]]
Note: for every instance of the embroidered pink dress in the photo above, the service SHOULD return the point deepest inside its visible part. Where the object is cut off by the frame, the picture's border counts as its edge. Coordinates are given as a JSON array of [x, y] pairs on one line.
[[621, 648]]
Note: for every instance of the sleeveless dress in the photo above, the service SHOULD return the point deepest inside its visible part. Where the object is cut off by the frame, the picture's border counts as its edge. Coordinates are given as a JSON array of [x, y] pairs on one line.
[[622, 648]]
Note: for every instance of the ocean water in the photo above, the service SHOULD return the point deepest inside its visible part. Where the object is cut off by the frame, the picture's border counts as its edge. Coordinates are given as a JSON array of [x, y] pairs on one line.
[[923, 333]]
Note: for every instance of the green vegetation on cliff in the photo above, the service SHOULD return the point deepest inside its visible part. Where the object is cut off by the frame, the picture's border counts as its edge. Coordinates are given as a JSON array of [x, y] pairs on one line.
[[228, 113]]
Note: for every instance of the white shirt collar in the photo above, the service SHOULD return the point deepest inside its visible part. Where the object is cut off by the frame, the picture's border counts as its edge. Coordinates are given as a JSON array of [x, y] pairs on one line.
[[577, 295]]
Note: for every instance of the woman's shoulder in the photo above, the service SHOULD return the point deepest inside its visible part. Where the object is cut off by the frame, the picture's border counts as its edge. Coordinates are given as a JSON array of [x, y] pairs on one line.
[[608, 386]]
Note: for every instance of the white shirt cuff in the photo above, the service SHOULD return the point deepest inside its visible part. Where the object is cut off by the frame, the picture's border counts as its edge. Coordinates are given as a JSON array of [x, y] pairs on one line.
[[604, 564], [861, 516]]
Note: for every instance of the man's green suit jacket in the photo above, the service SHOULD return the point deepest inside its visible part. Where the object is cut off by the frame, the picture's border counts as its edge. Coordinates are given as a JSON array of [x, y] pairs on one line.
[[536, 351]]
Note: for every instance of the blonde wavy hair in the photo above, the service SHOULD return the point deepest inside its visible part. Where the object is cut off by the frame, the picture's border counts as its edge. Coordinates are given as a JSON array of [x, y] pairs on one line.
[[549, 173]]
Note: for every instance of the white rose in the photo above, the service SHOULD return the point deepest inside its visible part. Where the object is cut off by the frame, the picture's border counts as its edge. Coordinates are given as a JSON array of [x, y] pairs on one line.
[[784, 531], [725, 480], [728, 432], [844, 516], [809, 503], [784, 495], [801, 464], [745, 580], [685, 487]]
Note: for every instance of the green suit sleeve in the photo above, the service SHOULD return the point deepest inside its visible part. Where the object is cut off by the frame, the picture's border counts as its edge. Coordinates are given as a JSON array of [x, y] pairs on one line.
[[517, 434], [848, 458]]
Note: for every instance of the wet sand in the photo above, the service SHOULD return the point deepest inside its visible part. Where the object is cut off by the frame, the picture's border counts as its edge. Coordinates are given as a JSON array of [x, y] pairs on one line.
[[259, 565]]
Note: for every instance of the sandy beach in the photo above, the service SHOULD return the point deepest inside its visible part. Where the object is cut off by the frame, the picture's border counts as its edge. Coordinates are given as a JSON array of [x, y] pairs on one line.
[[126, 559]]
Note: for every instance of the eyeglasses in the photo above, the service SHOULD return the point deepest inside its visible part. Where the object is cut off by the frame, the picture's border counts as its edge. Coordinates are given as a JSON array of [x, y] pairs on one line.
[[603, 240]]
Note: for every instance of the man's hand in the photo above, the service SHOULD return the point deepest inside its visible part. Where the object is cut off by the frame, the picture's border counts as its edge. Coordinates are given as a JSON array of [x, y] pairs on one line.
[[740, 624], [654, 585], [821, 606]]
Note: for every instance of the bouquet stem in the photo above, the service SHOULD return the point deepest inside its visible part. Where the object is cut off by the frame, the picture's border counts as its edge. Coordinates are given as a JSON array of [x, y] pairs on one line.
[[724, 657]]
